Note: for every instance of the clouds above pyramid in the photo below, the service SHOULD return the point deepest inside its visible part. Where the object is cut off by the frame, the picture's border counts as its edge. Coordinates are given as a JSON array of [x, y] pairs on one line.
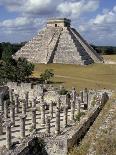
[[31, 15], [41, 7]]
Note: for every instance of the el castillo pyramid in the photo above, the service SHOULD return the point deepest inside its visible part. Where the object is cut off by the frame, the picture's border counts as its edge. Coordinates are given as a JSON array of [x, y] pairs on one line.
[[59, 43]]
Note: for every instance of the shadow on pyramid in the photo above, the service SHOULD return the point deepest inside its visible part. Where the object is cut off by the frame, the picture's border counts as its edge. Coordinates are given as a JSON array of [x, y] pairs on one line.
[[59, 43]]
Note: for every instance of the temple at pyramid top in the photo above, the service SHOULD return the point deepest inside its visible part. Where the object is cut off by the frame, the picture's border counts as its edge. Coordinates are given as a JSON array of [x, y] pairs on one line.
[[59, 22], [58, 42]]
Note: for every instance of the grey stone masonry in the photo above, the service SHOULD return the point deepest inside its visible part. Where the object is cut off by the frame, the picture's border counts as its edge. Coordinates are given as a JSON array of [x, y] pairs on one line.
[[11, 91], [51, 109], [16, 98], [74, 94], [34, 118], [34, 103], [12, 114], [61, 44], [59, 102], [6, 109], [81, 95], [57, 123], [22, 125], [43, 114], [1, 124], [1, 102], [72, 110], [26, 98], [48, 126], [86, 98], [65, 116], [23, 107], [8, 124]]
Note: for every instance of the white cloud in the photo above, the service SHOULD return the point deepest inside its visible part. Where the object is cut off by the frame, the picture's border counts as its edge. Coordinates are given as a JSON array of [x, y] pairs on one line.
[[102, 27], [22, 24], [76, 8]]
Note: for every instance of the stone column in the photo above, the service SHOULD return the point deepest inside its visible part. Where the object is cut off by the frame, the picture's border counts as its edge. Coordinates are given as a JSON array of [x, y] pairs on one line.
[[59, 102], [17, 103], [48, 126], [79, 106], [42, 114], [27, 99], [67, 100], [79, 109], [51, 109], [81, 95], [6, 109], [34, 118], [57, 123], [1, 124], [74, 94], [12, 114], [65, 116], [34, 103], [11, 95], [22, 125], [1, 102], [23, 107], [86, 100], [72, 110], [8, 134]]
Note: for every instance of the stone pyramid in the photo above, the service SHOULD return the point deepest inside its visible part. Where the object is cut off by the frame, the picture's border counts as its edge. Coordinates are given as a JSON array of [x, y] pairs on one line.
[[59, 43]]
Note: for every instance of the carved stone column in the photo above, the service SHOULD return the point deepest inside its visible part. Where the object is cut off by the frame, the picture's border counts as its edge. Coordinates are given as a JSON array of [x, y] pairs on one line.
[[65, 116], [57, 123], [48, 126], [12, 114], [86, 99], [23, 107], [59, 102], [72, 110], [43, 114], [34, 118], [51, 109], [8, 134], [6, 109], [27, 99], [34, 103], [81, 95], [1, 102], [74, 94], [22, 125], [17, 103], [11, 91], [1, 124]]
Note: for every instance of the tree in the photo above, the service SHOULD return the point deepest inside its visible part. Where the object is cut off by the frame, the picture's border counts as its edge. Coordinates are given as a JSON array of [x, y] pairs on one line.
[[15, 70], [7, 53], [24, 69], [48, 73]]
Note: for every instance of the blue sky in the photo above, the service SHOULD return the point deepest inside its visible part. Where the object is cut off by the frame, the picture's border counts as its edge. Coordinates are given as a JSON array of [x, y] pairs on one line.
[[94, 19]]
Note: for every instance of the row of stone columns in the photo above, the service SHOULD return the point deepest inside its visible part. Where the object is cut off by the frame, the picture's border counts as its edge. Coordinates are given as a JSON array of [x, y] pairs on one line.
[[15, 109]]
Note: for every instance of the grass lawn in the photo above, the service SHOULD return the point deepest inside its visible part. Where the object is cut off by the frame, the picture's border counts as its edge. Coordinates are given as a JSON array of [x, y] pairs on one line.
[[95, 76], [110, 57]]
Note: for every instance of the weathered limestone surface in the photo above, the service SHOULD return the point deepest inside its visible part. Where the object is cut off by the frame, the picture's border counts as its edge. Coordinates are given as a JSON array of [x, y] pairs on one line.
[[59, 43]]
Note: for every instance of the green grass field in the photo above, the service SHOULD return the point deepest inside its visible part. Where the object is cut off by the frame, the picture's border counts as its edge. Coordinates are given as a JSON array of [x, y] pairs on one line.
[[95, 76]]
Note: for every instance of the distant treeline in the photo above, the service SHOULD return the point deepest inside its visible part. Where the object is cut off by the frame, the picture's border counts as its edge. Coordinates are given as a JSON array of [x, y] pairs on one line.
[[105, 50], [8, 49]]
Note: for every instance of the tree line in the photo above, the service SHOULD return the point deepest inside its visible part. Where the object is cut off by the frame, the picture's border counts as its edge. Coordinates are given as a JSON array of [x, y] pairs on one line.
[[105, 50]]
